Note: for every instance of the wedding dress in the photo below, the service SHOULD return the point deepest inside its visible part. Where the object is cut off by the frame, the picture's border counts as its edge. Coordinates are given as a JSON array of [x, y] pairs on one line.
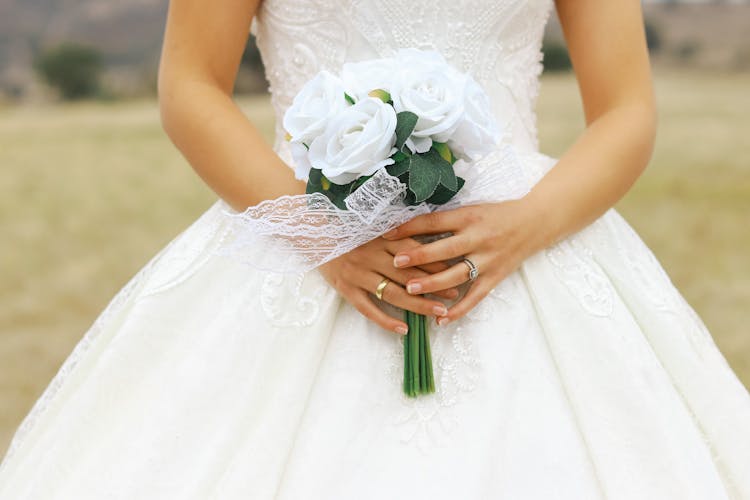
[[583, 375]]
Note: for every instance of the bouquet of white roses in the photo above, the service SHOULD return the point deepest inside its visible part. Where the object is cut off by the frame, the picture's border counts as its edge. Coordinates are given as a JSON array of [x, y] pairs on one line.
[[378, 144], [409, 117], [412, 114]]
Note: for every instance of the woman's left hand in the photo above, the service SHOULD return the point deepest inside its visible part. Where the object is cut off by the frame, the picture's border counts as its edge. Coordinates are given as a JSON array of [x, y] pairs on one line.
[[496, 237]]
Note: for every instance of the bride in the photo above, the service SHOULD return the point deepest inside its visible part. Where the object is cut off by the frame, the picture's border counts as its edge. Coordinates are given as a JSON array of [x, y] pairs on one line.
[[569, 368]]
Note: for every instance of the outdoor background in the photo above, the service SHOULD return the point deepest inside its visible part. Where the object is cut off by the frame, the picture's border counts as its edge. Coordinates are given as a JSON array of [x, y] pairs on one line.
[[91, 187]]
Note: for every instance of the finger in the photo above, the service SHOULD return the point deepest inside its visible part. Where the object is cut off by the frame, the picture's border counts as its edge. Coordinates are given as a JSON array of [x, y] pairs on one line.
[[431, 223], [449, 293], [448, 279], [437, 251], [478, 291], [430, 268], [395, 246], [384, 266], [362, 302], [394, 294], [433, 267]]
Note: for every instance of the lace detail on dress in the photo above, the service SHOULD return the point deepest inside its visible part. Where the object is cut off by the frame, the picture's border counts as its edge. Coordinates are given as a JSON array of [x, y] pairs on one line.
[[575, 266], [427, 421], [278, 291], [499, 43]]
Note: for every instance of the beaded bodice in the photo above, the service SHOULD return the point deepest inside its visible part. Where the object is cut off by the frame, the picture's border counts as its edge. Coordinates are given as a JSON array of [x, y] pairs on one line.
[[497, 41]]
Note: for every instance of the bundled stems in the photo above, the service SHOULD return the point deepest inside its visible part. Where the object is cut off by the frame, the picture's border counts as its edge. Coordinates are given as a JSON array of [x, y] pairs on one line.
[[418, 376]]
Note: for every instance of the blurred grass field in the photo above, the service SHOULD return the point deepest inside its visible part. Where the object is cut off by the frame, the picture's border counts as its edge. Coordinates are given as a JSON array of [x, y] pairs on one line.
[[90, 191]]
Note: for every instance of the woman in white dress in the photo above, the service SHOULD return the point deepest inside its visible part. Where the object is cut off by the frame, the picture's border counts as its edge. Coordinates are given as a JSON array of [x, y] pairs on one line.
[[571, 368]]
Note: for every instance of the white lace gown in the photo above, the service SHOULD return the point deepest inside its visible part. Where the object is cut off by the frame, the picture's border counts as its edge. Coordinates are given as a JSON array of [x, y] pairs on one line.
[[583, 375]]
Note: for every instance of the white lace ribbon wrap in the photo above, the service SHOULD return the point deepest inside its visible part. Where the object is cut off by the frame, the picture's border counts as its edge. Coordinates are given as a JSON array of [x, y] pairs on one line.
[[299, 233]]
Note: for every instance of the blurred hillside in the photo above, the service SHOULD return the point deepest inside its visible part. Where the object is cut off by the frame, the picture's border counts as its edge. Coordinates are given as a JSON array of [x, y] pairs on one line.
[[706, 35], [709, 36], [128, 36]]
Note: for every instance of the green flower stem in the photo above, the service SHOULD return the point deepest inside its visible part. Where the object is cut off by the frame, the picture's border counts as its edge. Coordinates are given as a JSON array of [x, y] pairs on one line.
[[408, 377], [428, 358], [418, 375], [414, 348]]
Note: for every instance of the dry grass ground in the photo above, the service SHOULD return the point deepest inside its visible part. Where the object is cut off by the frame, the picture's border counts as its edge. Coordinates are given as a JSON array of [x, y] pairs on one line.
[[91, 191]]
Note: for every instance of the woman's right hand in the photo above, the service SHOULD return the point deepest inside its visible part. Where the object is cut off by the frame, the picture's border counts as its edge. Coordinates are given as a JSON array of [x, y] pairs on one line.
[[357, 274]]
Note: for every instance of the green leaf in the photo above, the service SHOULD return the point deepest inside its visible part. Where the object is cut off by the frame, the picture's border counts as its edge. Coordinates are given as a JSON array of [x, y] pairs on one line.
[[423, 177], [399, 156], [441, 195], [399, 168], [447, 174], [337, 193], [318, 183], [349, 98], [358, 182], [405, 123], [314, 181]]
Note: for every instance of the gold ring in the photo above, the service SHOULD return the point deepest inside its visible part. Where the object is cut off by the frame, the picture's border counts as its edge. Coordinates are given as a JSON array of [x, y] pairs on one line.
[[381, 287]]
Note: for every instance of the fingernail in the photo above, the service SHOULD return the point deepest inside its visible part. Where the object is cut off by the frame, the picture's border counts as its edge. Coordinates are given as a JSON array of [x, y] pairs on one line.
[[400, 260], [402, 330], [390, 234], [439, 310], [443, 321], [413, 288]]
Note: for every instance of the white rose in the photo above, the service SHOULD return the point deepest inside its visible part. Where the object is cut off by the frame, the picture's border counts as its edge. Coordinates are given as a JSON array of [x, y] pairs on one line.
[[301, 160], [477, 132], [359, 78], [357, 142], [430, 88], [312, 108]]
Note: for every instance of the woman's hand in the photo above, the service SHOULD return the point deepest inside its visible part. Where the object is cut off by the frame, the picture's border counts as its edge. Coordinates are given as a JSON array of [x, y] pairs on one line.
[[357, 274], [496, 237]]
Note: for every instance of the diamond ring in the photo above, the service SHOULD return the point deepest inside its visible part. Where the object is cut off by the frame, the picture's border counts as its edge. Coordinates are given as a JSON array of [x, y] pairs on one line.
[[473, 270]]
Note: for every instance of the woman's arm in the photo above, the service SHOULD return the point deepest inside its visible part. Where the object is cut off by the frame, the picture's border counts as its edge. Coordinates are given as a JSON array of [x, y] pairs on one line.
[[607, 46], [203, 45], [608, 49]]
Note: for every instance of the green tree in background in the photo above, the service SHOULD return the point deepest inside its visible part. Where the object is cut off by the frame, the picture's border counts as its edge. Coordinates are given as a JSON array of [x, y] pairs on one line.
[[556, 57], [72, 68]]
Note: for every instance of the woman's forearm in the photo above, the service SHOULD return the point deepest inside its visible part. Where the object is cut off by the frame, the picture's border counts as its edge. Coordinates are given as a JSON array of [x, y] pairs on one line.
[[594, 173], [222, 145]]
